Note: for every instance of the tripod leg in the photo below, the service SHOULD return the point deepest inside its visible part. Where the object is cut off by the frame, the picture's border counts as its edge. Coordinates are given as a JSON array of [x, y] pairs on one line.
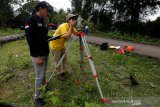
[[92, 65], [81, 52]]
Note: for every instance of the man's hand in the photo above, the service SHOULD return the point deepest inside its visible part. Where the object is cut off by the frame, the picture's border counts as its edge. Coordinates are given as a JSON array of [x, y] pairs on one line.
[[73, 23], [39, 60]]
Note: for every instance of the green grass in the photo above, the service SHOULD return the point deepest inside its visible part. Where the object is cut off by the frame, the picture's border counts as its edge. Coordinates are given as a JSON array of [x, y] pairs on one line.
[[17, 77], [126, 37], [9, 31]]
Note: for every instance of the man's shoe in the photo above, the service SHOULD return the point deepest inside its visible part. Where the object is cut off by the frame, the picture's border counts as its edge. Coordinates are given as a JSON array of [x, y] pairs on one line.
[[61, 76], [40, 102]]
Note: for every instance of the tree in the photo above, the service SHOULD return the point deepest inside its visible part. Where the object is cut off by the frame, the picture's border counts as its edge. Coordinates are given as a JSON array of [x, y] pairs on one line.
[[96, 11], [23, 12], [87, 8], [6, 12], [59, 17], [27, 10], [69, 10], [28, 7], [76, 6], [133, 9]]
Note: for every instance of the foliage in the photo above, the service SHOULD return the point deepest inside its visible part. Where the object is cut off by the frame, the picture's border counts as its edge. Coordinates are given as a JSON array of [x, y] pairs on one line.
[[132, 9], [104, 21], [27, 10], [92, 26], [9, 31], [59, 17], [28, 7], [6, 12], [19, 20], [144, 28], [122, 9], [122, 15], [24, 11], [77, 6]]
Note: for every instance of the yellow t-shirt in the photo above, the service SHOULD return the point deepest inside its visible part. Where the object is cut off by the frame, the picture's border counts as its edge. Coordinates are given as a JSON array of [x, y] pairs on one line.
[[59, 44]]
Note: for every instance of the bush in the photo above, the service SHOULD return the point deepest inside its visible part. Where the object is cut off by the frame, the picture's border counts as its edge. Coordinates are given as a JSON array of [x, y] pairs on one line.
[[59, 17], [149, 28]]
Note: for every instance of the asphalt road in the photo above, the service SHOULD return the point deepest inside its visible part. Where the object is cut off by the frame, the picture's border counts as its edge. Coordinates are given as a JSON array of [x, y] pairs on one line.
[[143, 49]]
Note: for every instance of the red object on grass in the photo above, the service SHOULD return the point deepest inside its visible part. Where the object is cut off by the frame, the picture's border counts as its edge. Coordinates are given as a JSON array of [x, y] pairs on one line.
[[129, 48], [120, 50]]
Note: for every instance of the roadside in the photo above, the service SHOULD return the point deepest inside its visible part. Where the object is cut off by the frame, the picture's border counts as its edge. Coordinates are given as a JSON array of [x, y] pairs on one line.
[[143, 49], [126, 37]]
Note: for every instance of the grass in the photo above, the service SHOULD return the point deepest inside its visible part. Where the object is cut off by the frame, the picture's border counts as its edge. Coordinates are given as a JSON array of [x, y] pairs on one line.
[[126, 37], [9, 31], [17, 78]]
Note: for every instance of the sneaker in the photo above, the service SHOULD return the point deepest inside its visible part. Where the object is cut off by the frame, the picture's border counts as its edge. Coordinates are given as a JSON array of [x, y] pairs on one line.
[[61, 76], [40, 102]]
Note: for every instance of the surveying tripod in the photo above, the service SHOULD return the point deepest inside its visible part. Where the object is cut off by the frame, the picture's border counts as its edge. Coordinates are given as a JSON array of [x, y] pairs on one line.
[[83, 46]]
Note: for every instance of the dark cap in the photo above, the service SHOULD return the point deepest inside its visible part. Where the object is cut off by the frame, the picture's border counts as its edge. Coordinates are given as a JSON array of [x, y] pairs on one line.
[[43, 4]]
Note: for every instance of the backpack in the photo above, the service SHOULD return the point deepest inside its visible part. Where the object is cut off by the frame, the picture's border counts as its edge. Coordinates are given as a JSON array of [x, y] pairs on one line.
[[104, 46]]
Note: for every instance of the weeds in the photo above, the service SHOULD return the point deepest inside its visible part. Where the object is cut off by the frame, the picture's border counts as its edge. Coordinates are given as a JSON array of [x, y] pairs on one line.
[[12, 66]]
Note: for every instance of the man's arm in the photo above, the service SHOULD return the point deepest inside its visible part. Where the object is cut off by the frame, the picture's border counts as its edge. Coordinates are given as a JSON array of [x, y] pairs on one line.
[[69, 33], [74, 31]]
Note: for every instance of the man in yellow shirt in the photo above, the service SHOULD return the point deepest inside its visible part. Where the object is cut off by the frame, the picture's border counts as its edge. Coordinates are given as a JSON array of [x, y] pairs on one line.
[[58, 47]]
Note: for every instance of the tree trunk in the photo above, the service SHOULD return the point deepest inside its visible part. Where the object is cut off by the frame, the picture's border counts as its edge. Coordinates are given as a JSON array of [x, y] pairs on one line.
[[77, 4], [135, 12], [135, 16]]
